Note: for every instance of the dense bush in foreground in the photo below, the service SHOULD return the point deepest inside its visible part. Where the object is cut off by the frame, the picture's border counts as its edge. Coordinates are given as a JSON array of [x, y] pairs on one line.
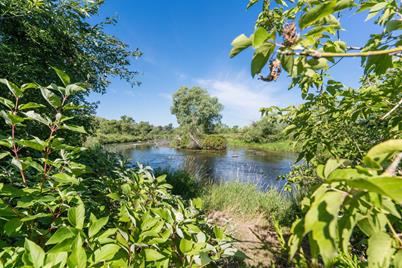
[[56, 212], [349, 138]]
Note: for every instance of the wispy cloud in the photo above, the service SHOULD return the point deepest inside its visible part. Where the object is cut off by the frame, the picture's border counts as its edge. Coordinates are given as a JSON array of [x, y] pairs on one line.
[[243, 96], [165, 96]]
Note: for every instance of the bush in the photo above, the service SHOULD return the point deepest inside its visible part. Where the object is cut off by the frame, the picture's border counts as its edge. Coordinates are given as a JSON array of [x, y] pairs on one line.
[[56, 211], [214, 142], [263, 131]]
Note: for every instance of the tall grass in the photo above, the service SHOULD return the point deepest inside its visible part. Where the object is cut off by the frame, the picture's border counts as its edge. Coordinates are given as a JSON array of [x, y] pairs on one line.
[[243, 200], [246, 200]]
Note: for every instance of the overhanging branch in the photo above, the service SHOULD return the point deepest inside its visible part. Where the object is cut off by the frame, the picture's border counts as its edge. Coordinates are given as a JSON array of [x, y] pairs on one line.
[[319, 54]]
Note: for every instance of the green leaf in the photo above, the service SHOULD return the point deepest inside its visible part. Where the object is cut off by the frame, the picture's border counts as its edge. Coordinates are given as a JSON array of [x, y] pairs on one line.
[[251, 3], [97, 225], [316, 13], [12, 226], [321, 219], [287, 62], [259, 37], [56, 259], [60, 235], [79, 129], [7, 102], [34, 253], [219, 233], [376, 9], [37, 117], [63, 76], [34, 144], [379, 250], [389, 186], [153, 255], [106, 252], [51, 97], [16, 162], [381, 151], [186, 245], [260, 58], [76, 216], [3, 155], [36, 216], [30, 105], [398, 259], [10, 118], [331, 165], [393, 25], [15, 90], [78, 257], [64, 178], [239, 44], [342, 4], [73, 89]]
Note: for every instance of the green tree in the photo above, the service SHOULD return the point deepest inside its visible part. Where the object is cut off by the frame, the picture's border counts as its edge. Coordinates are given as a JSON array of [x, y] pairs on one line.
[[196, 111], [38, 34]]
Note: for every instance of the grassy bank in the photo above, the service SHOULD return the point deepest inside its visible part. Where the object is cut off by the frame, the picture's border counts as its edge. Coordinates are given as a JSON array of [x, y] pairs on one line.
[[238, 199], [278, 146], [248, 202]]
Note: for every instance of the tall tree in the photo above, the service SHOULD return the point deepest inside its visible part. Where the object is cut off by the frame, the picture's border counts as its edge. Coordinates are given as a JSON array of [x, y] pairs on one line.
[[196, 111], [36, 35]]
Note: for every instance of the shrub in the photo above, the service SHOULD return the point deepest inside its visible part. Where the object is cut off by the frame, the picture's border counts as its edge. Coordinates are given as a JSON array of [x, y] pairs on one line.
[[214, 142], [263, 131], [56, 212]]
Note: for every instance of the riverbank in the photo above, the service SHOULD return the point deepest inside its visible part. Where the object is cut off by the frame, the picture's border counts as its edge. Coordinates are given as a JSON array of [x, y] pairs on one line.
[[278, 146], [251, 216]]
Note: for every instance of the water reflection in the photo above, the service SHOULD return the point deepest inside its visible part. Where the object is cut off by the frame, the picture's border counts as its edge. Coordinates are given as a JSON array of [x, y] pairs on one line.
[[261, 168]]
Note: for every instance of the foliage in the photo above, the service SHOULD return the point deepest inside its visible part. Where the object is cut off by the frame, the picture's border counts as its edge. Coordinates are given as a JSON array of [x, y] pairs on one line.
[[278, 146], [247, 201], [196, 112], [183, 182], [127, 130], [352, 218], [56, 212], [214, 142], [263, 131], [365, 197], [38, 34]]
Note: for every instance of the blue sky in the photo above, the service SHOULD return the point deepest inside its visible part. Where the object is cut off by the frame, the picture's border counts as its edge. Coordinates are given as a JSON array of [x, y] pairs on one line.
[[186, 43]]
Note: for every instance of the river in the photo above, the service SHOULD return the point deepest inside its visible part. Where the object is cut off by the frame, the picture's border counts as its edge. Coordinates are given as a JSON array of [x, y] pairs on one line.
[[235, 164]]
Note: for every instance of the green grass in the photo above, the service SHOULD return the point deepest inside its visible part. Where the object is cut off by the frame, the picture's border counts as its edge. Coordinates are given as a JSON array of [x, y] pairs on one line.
[[247, 201], [241, 200], [279, 146]]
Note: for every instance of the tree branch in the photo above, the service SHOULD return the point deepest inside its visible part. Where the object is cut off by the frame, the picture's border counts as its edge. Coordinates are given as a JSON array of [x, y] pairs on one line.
[[392, 110], [318, 54], [392, 169]]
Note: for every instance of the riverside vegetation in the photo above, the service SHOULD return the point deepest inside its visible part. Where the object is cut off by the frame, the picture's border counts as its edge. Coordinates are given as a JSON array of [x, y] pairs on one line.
[[350, 139], [65, 205], [56, 212]]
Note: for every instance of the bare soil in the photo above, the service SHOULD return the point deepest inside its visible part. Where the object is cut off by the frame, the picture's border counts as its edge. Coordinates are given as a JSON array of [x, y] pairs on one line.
[[255, 237]]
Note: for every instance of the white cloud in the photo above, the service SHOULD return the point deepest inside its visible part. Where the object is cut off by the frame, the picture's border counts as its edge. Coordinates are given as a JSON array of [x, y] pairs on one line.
[[243, 96], [165, 96]]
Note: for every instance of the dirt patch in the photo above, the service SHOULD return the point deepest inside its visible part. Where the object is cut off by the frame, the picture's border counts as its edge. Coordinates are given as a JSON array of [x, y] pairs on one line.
[[256, 238]]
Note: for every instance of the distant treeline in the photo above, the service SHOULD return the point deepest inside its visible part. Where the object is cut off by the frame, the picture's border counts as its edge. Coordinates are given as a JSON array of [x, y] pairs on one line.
[[126, 129]]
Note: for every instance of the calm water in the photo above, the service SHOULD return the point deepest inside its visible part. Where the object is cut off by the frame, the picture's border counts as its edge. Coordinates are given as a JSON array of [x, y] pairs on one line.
[[261, 168]]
